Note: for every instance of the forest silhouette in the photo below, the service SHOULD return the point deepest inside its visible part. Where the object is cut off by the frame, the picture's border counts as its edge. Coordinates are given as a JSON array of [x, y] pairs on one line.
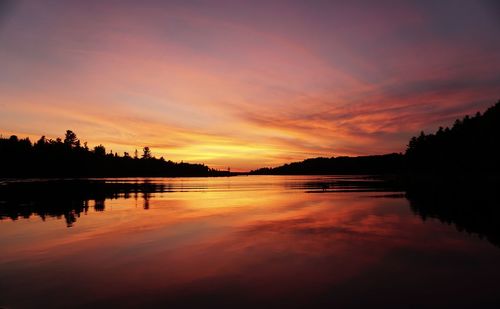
[[469, 148], [68, 157]]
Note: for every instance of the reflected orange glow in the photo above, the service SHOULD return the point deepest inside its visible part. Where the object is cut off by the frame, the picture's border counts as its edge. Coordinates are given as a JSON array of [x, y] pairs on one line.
[[258, 236]]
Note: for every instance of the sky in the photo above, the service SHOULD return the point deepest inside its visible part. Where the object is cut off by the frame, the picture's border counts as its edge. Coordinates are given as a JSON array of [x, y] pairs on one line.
[[245, 84]]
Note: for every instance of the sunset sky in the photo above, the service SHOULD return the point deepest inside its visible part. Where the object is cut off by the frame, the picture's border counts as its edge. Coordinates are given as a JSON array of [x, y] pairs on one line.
[[245, 84]]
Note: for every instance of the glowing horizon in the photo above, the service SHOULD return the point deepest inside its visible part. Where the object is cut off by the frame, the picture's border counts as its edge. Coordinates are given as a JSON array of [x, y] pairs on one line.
[[245, 84]]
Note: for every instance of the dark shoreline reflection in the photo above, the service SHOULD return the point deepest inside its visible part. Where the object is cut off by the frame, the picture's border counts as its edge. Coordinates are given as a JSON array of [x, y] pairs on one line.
[[68, 199], [347, 183], [474, 211], [471, 210]]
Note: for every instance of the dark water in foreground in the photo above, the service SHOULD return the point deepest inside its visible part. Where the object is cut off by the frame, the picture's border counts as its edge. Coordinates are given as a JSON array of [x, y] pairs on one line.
[[256, 241]]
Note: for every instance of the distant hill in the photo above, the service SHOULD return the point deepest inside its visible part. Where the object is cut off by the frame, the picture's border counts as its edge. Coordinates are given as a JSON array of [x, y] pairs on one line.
[[379, 164]]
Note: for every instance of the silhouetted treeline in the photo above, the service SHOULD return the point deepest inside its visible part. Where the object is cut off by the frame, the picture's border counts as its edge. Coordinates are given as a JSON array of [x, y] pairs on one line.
[[470, 147], [453, 174], [69, 158], [381, 164]]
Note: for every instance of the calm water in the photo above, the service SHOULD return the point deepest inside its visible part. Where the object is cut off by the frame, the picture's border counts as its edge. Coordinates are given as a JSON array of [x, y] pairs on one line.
[[256, 241]]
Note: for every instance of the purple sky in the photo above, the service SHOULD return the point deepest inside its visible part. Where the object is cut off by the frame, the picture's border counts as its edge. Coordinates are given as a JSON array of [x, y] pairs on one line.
[[245, 83]]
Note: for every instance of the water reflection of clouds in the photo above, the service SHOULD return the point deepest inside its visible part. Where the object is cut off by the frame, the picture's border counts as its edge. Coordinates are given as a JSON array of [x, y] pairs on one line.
[[283, 247]]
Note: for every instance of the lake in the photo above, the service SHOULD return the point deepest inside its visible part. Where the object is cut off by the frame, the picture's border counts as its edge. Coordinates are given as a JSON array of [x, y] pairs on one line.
[[244, 241]]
